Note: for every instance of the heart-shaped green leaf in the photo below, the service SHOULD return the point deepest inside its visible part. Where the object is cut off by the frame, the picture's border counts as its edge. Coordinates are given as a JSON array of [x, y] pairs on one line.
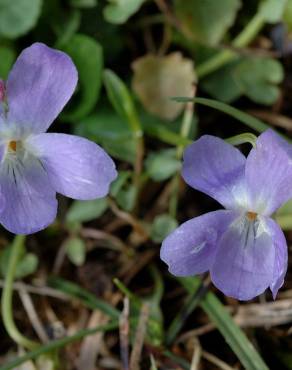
[[206, 21], [256, 78], [88, 57]]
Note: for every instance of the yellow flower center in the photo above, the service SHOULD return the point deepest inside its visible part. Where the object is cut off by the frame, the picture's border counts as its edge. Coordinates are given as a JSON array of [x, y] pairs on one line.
[[12, 145], [251, 216]]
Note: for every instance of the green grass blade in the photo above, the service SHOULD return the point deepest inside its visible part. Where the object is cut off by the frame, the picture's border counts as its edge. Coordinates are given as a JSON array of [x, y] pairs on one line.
[[87, 298], [192, 301], [56, 344], [243, 117]]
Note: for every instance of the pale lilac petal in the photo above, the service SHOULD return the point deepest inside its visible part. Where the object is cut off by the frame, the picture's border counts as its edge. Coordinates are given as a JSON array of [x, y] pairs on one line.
[[2, 198], [244, 263], [2, 90], [281, 257], [2, 101], [269, 173], [215, 168], [30, 201], [190, 249], [77, 167], [39, 85]]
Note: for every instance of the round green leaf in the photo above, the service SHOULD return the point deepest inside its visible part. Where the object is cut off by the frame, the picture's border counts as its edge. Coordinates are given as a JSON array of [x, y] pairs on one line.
[[118, 11], [162, 226], [272, 10], [18, 16], [162, 165], [76, 251], [83, 211]]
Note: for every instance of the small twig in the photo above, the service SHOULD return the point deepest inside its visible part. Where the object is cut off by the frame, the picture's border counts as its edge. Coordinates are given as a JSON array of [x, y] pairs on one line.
[[124, 334], [59, 260], [273, 118], [42, 290], [196, 332], [33, 316], [137, 264], [129, 218], [166, 40], [171, 18], [139, 337], [114, 242]]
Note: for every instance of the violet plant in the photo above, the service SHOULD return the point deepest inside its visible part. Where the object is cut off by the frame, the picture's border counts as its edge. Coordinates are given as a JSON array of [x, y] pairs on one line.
[[36, 165], [242, 246]]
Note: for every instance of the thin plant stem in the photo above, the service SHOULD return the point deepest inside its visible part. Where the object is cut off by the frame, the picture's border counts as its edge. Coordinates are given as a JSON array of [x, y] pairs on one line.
[[226, 56], [184, 131], [6, 301]]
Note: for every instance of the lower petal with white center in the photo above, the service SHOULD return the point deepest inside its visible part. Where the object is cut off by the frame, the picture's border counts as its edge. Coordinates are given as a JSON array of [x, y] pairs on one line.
[[191, 248], [244, 263], [30, 201]]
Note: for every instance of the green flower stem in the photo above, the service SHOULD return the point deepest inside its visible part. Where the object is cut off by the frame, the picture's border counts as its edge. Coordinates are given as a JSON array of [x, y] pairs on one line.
[[246, 137], [226, 56], [184, 132], [6, 301]]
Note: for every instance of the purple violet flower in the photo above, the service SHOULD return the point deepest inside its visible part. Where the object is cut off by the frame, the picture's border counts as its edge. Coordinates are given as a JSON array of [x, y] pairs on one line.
[[34, 164], [242, 246]]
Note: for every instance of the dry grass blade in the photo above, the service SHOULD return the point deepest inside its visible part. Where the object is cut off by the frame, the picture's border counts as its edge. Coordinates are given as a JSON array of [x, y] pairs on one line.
[[216, 361], [139, 337], [195, 365], [264, 314], [124, 334], [91, 345]]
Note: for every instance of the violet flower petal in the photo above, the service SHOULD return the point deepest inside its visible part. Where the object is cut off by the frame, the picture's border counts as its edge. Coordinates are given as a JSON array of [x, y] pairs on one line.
[[281, 256], [215, 168], [244, 263], [190, 249], [269, 173], [31, 203], [77, 167], [39, 85]]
